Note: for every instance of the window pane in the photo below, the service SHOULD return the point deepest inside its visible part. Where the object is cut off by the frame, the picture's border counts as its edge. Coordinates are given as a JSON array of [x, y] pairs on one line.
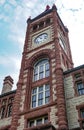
[[34, 98], [36, 70], [47, 66], [47, 93], [35, 77], [33, 104], [46, 100], [83, 91], [43, 61], [80, 85], [9, 110], [38, 121], [34, 90], [47, 70], [41, 68], [47, 73], [46, 120], [47, 87], [82, 113], [2, 112], [31, 124], [41, 76], [80, 92], [40, 102], [40, 88], [40, 96]]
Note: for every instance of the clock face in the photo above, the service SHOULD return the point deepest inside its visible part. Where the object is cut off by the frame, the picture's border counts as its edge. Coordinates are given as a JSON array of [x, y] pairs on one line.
[[41, 38]]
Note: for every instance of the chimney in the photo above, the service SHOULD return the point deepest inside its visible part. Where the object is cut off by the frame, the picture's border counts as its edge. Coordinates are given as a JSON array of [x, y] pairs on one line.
[[7, 84]]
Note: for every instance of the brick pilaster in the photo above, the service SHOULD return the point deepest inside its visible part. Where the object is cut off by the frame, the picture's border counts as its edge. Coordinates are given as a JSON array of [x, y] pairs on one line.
[[15, 114], [62, 119]]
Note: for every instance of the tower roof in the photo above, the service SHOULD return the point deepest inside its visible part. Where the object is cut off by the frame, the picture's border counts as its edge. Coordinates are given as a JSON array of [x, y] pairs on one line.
[[47, 11]]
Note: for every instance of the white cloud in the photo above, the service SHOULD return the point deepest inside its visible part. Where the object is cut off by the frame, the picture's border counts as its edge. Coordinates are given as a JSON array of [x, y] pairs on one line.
[[7, 8], [2, 16], [2, 2], [11, 62], [70, 4], [12, 2]]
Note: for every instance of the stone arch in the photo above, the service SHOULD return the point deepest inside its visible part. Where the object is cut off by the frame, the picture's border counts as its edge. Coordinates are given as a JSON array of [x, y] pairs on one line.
[[47, 53]]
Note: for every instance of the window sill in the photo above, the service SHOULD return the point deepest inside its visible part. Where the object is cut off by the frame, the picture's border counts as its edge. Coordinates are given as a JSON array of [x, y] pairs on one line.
[[38, 108], [41, 127], [77, 95]]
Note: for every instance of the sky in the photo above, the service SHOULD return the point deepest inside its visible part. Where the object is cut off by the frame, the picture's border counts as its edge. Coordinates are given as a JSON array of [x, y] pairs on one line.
[[13, 17]]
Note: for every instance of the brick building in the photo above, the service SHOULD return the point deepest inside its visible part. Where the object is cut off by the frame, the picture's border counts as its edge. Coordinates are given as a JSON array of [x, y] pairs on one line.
[[50, 91]]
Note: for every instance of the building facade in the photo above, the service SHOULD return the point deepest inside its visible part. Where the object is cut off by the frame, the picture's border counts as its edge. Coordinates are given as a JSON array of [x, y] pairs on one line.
[[50, 92]]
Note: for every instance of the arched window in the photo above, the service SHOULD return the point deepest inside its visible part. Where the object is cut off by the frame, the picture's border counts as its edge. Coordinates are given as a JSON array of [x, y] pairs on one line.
[[41, 69]]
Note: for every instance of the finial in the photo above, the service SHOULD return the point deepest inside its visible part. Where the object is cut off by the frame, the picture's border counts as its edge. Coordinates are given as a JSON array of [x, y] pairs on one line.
[[54, 7], [66, 29], [47, 7], [29, 19]]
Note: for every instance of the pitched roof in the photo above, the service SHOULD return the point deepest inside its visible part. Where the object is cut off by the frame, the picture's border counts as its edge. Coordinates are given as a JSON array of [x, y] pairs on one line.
[[8, 93], [73, 69]]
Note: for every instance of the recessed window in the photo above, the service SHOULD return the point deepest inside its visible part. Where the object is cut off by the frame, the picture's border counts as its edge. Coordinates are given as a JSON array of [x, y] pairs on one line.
[[34, 27], [82, 113], [47, 21], [2, 113], [4, 102], [40, 95], [11, 100], [38, 121], [9, 110], [31, 124], [80, 87], [46, 119], [41, 24], [41, 69], [78, 75]]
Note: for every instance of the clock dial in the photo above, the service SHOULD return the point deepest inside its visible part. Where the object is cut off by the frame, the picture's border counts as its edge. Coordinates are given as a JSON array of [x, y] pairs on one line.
[[41, 38]]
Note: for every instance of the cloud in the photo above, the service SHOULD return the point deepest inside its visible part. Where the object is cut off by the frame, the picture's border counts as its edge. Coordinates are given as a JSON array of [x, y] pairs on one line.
[[11, 62], [70, 4], [12, 2], [11, 66], [2, 2]]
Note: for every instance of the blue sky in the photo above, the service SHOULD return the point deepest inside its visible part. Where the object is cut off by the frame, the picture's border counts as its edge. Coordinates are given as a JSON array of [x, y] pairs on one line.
[[13, 17]]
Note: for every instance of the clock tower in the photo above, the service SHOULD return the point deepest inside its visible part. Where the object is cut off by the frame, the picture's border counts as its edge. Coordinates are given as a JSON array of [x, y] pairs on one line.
[[40, 100]]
